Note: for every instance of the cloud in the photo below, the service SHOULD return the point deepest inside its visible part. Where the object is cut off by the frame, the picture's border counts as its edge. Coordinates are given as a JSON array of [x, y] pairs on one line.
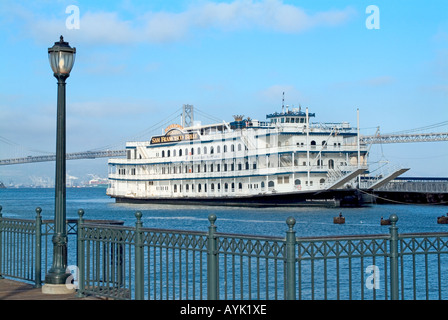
[[166, 27]]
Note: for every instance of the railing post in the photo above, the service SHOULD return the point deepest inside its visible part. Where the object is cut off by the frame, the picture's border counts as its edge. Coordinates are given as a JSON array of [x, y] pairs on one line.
[[139, 266], [212, 260], [290, 260], [80, 253], [393, 257], [38, 266], [1, 243]]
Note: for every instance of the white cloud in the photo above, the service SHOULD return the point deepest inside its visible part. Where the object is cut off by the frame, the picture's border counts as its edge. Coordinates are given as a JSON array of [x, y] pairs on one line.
[[162, 27]]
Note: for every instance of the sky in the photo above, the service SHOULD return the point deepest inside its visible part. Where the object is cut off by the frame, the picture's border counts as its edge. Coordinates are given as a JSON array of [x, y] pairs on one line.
[[138, 62]]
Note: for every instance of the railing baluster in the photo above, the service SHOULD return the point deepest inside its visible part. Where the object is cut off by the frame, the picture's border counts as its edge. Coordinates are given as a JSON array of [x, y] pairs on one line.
[[394, 257], [139, 266], [38, 250], [1, 244], [212, 261], [290, 260], [80, 257]]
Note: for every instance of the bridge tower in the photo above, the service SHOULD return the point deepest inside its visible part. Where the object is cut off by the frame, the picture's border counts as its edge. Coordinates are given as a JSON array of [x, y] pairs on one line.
[[187, 115]]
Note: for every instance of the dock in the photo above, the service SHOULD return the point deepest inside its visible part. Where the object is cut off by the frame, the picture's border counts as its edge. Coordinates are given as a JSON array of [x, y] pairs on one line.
[[16, 290]]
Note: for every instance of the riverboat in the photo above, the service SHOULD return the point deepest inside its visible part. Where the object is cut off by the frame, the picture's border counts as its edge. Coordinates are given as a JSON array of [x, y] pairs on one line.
[[284, 160]]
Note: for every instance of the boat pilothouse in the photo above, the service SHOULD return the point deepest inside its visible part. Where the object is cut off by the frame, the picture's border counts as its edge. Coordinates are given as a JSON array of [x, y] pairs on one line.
[[285, 159]]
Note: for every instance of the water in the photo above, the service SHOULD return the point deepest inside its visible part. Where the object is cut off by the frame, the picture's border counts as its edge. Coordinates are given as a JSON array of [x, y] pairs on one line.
[[311, 221]]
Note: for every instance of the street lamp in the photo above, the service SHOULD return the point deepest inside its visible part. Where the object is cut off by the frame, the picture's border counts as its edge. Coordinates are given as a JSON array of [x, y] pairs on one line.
[[62, 58]]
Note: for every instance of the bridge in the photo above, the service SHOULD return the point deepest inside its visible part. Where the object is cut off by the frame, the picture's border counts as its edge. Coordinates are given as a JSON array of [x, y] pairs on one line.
[[69, 156], [187, 113], [374, 139]]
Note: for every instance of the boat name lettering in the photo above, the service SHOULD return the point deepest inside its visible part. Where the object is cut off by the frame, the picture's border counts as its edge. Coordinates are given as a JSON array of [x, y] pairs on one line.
[[175, 138]]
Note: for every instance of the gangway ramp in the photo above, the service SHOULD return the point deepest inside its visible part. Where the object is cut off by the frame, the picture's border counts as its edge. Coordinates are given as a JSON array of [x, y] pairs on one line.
[[388, 178], [347, 177]]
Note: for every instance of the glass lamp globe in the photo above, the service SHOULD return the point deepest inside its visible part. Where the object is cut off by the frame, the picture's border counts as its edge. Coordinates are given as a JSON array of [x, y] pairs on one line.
[[62, 57]]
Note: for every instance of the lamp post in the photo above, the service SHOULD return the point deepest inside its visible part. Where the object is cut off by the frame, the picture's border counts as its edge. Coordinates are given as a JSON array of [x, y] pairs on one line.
[[62, 58]]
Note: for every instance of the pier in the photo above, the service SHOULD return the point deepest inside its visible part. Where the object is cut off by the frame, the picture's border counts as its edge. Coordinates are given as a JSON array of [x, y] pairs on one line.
[[17, 290], [412, 190]]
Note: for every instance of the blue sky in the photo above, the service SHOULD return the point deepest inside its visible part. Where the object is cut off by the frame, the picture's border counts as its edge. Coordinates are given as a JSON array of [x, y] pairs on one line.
[[139, 61]]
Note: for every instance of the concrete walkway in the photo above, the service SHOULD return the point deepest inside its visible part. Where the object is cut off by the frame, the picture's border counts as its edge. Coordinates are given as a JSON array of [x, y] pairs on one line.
[[16, 290]]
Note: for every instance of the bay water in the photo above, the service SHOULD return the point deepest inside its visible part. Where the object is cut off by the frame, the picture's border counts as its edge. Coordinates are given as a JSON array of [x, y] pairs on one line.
[[269, 221]]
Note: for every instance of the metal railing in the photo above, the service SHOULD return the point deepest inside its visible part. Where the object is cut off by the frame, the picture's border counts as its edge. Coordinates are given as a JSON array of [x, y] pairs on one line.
[[133, 262]]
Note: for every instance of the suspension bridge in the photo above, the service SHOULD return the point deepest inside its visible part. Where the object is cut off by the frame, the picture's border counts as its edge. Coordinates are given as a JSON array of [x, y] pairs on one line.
[[186, 112]]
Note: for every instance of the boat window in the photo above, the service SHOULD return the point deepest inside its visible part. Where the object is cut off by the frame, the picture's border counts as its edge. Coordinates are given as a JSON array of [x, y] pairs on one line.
[[180, 152], [297, 182], [218, 149], [192, 151], [175, 188], [211, 167], [163, 153], [199, 150], [270, 183], [232, 148], [212, 150], [240, 186], [213, 187], [205, 150], [199, 187], [239, 147], [331, 164], [262, 184]]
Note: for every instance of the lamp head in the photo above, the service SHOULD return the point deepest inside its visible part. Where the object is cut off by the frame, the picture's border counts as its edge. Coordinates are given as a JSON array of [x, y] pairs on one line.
[[62, 58]]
